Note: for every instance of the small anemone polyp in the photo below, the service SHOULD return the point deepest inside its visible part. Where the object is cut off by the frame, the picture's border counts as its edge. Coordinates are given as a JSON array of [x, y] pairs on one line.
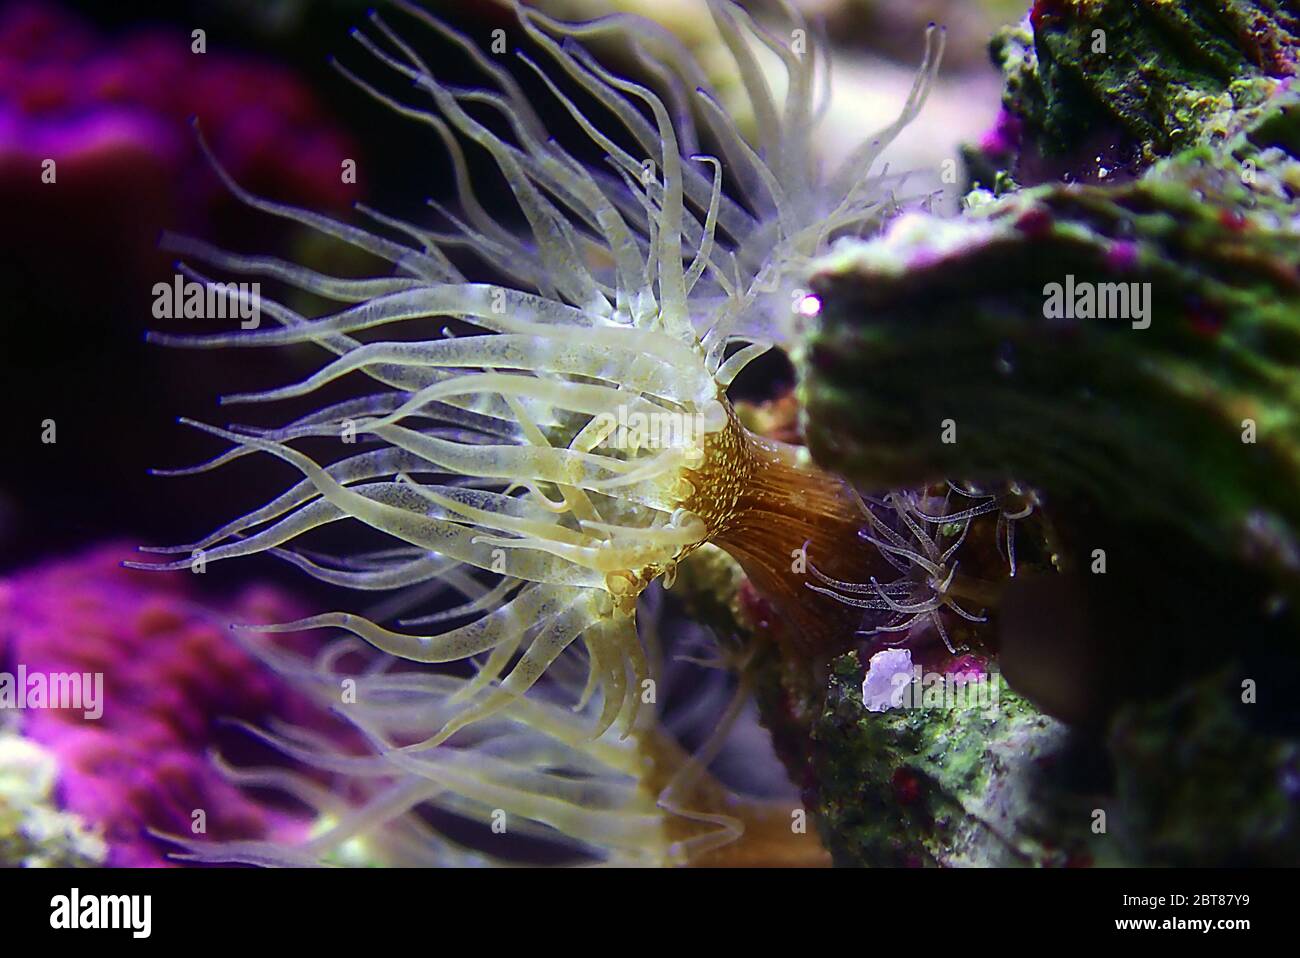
[[514, 461]]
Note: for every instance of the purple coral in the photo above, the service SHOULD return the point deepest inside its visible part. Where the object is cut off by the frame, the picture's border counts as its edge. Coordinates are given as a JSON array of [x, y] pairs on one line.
[[171, 674]]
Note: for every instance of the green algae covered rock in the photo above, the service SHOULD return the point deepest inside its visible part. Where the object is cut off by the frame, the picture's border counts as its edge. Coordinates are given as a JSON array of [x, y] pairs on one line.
[[1128, 349], [1142, 79], [947, 786], [1135, 345], [1193, 779], [1122, 338]]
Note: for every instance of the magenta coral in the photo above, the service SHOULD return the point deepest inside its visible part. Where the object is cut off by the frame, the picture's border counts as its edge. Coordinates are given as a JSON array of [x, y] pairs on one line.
[[171, 675]]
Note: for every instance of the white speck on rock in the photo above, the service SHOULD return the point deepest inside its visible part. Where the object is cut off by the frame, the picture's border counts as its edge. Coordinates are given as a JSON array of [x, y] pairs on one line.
[[882, 689]]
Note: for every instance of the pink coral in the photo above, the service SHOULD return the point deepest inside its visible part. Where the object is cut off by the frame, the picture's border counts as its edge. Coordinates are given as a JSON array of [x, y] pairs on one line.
[[171, 674]]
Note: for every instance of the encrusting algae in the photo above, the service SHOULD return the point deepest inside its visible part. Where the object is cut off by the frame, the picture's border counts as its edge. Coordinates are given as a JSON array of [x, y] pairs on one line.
[[570, 440]]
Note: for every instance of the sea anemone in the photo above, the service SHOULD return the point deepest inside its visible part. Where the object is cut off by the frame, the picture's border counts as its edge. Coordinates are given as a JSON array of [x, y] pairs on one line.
[[571, 440]]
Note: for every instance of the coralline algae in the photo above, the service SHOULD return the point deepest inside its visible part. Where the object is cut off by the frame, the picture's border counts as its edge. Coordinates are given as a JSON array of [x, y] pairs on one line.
[[171, 676]]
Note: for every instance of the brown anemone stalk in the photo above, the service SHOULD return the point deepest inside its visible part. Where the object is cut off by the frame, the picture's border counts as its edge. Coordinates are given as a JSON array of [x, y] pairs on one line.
[[776, 513]]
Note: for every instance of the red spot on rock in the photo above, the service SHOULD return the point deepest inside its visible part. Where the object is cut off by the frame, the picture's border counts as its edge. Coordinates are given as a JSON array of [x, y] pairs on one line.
[[1205, 320], [1035, 223], [1047, 10], [1234, 220], [907, 786]]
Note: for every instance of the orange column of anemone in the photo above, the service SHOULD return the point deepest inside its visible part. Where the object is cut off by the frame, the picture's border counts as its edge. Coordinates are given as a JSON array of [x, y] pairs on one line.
[[776, 515]]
